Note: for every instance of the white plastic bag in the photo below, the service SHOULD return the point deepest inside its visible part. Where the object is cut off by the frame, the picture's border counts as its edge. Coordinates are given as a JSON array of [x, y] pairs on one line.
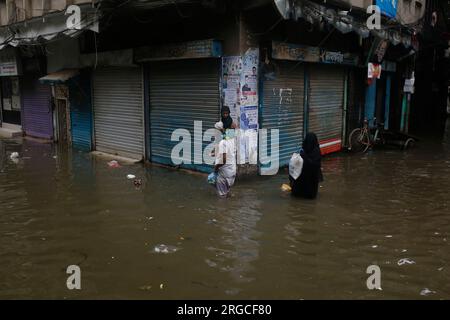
[[295, 165]]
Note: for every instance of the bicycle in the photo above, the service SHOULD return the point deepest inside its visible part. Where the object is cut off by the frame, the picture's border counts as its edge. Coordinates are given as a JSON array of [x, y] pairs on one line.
[[362, 139]]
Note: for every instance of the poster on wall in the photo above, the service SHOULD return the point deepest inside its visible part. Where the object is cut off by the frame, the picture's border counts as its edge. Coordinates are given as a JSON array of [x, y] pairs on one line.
[[240, 94], [15, 94], [7, 105], [249, 78], [231, 79], [249, 117], [374, 71]]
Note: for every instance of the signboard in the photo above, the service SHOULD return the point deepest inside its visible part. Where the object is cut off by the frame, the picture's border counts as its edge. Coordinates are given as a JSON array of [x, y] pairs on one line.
[[297, 52], [331, 57], [388, 7], [409, 85], [177, 51], [8, 63]]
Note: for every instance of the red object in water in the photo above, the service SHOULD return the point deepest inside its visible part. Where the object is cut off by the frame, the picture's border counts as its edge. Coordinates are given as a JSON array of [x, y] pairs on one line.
[[330, 146]]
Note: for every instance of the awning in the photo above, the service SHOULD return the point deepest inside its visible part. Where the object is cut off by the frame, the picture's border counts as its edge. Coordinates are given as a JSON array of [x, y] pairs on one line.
[[59, 76]]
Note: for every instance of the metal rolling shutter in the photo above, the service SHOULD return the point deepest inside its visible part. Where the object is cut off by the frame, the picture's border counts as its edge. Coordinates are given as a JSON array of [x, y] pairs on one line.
[[81, 112], [326, 106], [283, 108], [118, 111], [37, 110], [182, 92]]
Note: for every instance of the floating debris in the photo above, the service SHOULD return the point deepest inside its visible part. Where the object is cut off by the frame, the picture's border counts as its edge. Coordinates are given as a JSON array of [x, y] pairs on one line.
[[388, 236], [402, 262], [285, 187], [165, 249], [161, 286], [131, 176], [427, 292], [375, 246], [113, 164], [145, 288], [14, 155]]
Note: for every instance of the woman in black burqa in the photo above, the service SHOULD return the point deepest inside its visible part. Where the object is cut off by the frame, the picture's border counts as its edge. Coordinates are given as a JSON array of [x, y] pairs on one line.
[[307, 184]]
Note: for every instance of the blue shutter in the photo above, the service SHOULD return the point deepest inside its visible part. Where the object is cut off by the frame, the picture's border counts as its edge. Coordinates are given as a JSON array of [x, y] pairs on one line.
[[283, 108]]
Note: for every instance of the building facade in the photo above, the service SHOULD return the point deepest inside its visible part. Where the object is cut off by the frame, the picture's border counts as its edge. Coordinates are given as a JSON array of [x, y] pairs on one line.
[[126, 77]]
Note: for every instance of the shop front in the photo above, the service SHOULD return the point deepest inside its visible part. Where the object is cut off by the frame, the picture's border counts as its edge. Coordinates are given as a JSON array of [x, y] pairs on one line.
[[118, 111], [182, 96], [10, 104], [304, 91]]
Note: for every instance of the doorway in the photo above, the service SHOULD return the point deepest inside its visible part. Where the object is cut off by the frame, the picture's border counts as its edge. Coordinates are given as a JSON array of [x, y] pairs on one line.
[[63, 121], [10, 101]]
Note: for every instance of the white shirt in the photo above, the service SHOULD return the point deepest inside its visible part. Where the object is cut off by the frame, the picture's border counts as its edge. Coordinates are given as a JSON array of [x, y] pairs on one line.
[[228, 170]]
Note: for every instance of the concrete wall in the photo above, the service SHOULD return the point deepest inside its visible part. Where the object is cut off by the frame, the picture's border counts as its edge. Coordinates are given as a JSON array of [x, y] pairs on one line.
[[63, 54]]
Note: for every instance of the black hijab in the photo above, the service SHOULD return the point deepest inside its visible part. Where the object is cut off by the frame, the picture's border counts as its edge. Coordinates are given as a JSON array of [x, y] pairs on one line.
[[228, 121], [307, 185], [311, 150]]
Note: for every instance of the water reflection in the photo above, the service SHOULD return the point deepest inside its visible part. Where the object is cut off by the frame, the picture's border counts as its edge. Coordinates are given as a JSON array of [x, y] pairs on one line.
[[237, 219], [60, 207]]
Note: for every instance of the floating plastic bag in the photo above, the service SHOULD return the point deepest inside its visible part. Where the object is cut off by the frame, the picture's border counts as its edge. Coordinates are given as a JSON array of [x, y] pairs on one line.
[[212, 178], [295, 166], [14, 155]]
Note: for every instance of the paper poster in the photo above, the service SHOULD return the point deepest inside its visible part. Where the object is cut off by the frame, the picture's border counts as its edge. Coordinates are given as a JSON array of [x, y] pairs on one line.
[[374, 71], [249, 117], [249, 78], [248, 147], [240, 94], [231, 79], [7, 104]]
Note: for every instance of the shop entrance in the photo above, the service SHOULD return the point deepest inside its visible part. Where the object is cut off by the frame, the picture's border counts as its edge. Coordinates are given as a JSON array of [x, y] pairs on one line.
[[10, 100]]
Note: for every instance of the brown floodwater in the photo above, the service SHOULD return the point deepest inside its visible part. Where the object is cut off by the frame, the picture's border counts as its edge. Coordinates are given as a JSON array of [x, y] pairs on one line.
[[61, 208]]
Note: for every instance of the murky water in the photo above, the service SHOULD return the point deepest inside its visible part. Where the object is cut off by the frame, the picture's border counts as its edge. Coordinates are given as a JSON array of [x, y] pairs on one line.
[[62, 208]]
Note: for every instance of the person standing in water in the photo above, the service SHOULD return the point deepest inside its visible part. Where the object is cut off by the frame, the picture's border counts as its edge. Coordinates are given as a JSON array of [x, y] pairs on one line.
[[225, 164], [307, 184]]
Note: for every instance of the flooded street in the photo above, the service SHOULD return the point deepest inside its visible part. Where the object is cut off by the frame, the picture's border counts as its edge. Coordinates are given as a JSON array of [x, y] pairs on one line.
[[61, 208]]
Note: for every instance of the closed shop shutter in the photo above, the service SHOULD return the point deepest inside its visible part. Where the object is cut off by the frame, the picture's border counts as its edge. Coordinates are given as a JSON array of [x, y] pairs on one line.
[[283, 108], [37, 108], [182, 92], [118, 111], [326, 106], [81, 112]]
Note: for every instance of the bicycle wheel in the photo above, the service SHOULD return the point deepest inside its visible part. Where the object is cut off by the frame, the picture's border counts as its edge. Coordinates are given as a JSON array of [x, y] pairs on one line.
[[359, 140], [409, 143]]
